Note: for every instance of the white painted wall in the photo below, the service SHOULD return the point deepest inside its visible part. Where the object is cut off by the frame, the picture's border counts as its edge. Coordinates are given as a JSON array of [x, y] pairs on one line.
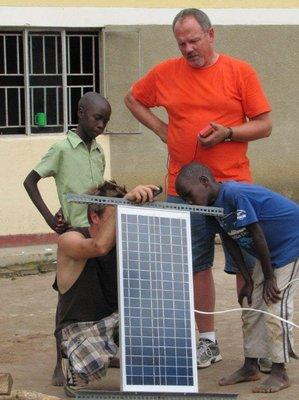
[[101, 16]]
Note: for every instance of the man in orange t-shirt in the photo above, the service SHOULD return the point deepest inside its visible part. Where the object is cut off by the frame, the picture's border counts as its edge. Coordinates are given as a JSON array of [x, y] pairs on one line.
[[200, 89]]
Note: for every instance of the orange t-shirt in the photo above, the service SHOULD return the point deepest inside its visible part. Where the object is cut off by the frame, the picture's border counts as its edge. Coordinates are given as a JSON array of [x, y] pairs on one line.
[[227, 93]]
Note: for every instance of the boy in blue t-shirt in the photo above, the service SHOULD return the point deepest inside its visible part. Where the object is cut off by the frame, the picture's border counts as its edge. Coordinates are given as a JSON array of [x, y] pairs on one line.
[[266, 225]]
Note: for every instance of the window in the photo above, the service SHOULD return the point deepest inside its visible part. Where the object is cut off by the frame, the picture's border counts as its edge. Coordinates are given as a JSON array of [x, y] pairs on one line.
[[43, 74]]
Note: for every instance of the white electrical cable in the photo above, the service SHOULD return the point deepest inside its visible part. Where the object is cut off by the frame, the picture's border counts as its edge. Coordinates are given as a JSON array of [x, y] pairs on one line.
[[254, 309]]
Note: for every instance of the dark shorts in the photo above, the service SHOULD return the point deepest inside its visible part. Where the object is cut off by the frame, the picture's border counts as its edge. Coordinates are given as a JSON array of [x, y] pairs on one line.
[[203, 243]]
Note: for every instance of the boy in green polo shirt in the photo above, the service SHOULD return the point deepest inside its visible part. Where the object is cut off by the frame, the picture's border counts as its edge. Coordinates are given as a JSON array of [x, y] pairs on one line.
[[77, 164]]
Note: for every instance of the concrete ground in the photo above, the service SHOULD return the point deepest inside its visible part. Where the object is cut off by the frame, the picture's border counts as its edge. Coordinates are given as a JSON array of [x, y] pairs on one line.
[[27, 347]]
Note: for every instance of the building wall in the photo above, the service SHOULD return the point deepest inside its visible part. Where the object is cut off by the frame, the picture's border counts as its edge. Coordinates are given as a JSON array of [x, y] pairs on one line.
[[136, 39], [157, 3]]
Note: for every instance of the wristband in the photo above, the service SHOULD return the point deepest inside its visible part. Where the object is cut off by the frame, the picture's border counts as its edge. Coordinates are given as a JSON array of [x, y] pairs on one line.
[[229, 137]]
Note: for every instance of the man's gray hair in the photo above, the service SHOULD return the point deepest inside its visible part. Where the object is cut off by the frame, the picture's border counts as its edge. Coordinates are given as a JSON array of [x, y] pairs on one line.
[[200, 16]]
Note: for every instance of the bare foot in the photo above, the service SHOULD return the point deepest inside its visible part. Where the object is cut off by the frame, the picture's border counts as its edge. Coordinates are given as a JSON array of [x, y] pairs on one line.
[[57, 377], [241, 375], [272, 384]]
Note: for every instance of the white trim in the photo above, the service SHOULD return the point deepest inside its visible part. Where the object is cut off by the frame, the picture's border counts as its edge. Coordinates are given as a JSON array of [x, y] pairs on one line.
[[101, 16]]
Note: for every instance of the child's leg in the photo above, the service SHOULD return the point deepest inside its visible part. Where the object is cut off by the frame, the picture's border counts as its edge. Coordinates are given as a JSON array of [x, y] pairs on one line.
[[255, 343], [280, 336]]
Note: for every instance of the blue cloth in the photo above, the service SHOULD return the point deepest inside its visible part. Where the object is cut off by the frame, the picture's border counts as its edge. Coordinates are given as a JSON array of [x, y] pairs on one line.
[[245, 204], [203, 231]]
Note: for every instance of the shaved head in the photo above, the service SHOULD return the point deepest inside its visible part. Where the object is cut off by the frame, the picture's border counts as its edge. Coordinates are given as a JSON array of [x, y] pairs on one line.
[[192, 173], [91, 99], [196, 184], [94, 113]]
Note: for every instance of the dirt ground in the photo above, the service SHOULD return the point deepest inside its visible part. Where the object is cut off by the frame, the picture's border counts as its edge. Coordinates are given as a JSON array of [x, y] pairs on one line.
[[27, 347]]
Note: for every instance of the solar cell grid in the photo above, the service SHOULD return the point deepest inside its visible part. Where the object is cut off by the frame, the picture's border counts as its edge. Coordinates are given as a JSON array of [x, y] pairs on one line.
[[157, 326]]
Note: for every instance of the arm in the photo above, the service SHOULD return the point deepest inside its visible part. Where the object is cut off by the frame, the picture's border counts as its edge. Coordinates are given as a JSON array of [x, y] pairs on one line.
[[258, 127], [270, 291], [57, 222], [75, 246], [236, 254], [146, 117]]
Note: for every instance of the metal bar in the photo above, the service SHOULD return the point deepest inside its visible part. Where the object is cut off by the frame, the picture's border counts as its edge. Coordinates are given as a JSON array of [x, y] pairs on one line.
[[12, 126], [104, 395], [44, 55], [56, 55], [45, 100], [31, 55], [69, 106], [73, 74], [89, 199], [81, 54], [48, 74], [64, 80], [19, 106], [18, 54], [26, 82], [57, 106], [32, 91], [6, 107], [68, 54], [4, 54]]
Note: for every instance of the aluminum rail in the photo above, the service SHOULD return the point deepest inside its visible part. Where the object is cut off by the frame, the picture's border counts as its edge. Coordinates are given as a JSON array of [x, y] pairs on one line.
[[90, 199]]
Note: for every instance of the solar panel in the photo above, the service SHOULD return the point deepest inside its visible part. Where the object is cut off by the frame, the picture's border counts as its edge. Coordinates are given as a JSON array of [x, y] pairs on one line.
[[157, 330]]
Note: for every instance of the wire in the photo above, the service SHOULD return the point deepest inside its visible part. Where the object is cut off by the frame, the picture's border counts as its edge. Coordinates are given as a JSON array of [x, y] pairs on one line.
[[253, 309], [247, 309], [289, 283], [175, 173]]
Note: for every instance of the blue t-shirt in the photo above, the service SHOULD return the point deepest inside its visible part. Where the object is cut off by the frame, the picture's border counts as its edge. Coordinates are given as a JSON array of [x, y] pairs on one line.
[[245, 204]]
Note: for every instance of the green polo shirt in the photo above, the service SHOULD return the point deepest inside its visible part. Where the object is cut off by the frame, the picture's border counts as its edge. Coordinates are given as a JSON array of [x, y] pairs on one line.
[[75, 170]]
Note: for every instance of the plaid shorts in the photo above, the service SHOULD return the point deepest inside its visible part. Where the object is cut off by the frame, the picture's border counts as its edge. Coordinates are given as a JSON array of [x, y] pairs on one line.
[[89, 346]]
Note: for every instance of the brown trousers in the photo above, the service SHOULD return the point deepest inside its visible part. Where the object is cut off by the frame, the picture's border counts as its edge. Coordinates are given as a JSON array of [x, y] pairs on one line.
[[266, 336]]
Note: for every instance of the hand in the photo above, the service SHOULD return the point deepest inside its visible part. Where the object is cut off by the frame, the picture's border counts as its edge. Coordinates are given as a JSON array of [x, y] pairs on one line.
[[246, 291], [60, 225], [142, 194], [218, 135], [271, 291]]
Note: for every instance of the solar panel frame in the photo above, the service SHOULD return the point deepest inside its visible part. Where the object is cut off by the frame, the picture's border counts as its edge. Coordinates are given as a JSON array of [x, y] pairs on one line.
[[123, 210]]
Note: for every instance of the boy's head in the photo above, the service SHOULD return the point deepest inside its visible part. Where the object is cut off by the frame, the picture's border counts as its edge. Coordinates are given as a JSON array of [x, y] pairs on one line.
[[107, 189], [93, 114], [196, 184]]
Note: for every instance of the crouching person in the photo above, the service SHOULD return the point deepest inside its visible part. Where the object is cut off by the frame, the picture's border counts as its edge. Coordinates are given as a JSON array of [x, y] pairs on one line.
[[265, 224], [87, 318]]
